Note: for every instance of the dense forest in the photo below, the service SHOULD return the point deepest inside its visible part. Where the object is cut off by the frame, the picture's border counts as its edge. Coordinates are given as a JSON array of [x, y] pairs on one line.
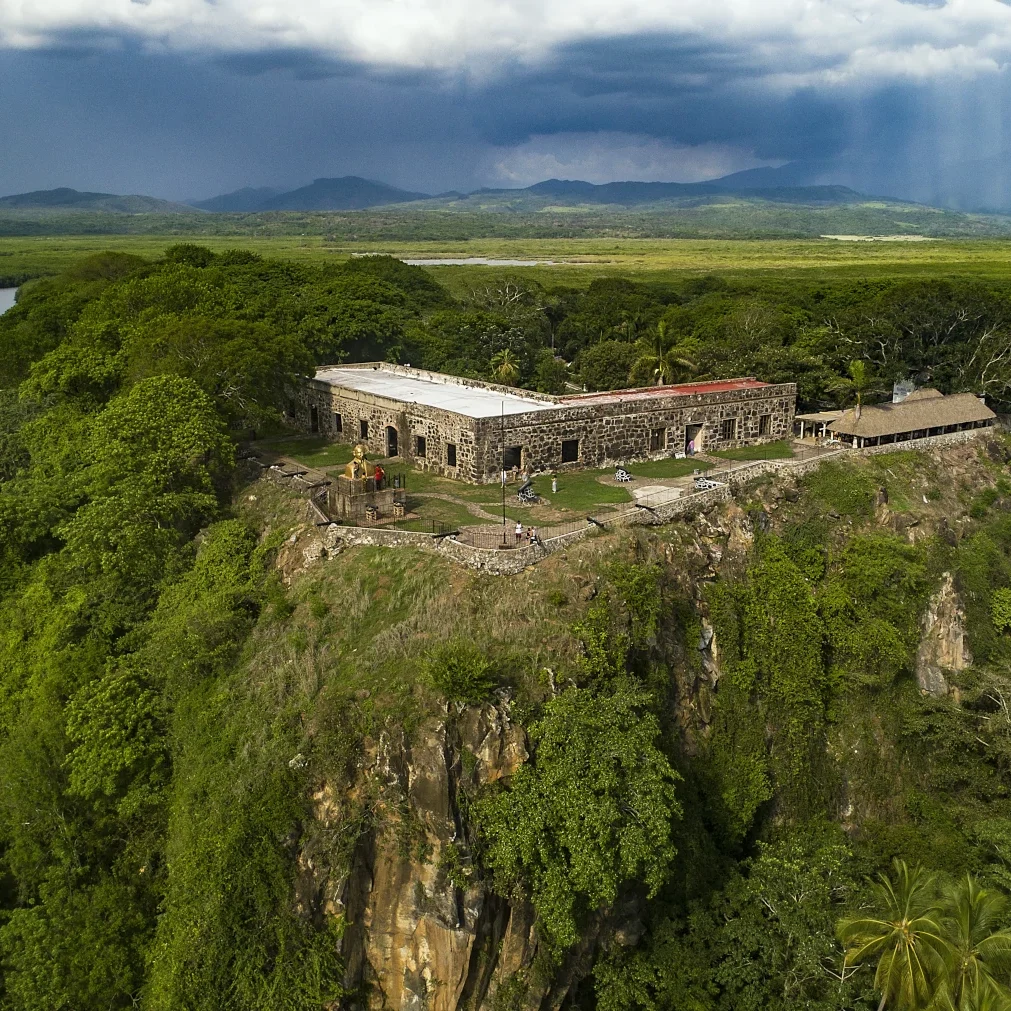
[[725, 742]]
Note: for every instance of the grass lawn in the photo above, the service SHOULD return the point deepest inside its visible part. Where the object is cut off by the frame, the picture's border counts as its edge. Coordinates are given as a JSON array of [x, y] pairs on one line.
[[426, 482], [452, 513], [580, 491], [667, 468], [770, 451], [312, 450]]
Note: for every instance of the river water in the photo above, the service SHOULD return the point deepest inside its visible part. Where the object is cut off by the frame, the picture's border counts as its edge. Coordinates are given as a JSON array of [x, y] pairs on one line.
[[7, 298]]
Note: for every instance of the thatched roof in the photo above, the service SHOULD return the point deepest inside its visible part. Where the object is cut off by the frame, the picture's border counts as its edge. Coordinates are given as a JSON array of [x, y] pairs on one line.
[[921, 410]]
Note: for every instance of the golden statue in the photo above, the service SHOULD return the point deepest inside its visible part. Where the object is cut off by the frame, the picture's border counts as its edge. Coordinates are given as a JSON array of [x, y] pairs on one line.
[[359, 467]]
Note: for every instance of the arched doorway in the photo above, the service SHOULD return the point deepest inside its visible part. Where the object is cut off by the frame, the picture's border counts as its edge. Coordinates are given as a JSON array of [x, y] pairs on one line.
[[391, 441]]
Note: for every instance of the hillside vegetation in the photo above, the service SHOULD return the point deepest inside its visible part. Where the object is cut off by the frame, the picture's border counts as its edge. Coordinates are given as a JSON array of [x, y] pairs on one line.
[[653, 772]]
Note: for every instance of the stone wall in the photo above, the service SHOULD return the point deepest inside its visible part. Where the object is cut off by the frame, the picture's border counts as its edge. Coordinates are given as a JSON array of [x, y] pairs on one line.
[[619, 430], [951, 439], [438, 428], [496, 562]]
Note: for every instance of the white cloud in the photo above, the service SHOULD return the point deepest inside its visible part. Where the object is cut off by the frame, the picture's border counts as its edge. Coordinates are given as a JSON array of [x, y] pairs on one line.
[[601, 157], [826, 41]]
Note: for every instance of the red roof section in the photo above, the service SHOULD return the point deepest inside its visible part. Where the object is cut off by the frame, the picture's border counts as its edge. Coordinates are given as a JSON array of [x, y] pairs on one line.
[[677, 390]]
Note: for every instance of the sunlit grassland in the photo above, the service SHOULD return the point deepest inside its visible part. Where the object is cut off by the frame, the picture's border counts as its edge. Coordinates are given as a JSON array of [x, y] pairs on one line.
[[577, 261]]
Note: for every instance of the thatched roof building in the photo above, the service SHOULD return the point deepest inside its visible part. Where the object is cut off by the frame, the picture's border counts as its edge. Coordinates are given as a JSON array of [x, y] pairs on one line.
[[922, 414]]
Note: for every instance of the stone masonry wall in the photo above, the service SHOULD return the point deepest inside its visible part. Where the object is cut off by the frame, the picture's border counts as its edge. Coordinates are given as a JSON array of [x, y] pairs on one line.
[[607, 431], [438, 428], [620, 431]]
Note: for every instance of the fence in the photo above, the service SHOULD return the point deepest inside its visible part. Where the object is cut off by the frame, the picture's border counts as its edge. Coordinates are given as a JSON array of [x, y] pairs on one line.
[[504, 537], [418, 524]]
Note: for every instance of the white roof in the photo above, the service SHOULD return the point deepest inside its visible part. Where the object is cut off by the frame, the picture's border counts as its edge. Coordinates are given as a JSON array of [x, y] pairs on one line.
[[430, 391]]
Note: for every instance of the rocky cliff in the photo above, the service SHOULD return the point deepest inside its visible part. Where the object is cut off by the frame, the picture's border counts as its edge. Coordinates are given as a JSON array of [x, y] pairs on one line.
[[390, 853]]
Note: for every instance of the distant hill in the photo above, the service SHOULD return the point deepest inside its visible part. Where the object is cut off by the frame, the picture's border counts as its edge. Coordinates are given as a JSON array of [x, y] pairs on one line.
[[249, 198], [786, 185], [66, 199], [787, 202], [554, 193], [348, 193]]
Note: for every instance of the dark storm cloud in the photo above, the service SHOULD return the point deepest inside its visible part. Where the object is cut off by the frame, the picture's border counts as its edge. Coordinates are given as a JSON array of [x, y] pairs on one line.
[[101, 113], [674, 90]]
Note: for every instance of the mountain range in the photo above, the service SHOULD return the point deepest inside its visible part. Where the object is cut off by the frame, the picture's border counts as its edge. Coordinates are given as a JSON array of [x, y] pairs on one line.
[[793, 200], [352, 193]]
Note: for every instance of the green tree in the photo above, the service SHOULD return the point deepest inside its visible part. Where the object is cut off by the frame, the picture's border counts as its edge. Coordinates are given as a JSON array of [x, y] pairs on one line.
[[658, 362], [860, 382], [606, 365], [505, 367], [905, 934], [591, 812], [978, 956], [552, 373], [1000, 608], [157, 459]]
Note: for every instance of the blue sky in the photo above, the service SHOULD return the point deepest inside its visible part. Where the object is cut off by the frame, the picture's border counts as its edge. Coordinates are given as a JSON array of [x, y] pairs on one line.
[[188, 98]]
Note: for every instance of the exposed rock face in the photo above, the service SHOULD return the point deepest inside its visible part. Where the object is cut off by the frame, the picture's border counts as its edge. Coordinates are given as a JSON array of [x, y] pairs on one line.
[[422, 933], [943, 646]]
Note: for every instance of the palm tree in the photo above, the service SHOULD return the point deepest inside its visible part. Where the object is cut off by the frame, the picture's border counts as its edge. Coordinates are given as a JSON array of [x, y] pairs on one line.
[[978, 955], [660, 364], [631, 323], [505, 368], [904, 934], [860, 382]]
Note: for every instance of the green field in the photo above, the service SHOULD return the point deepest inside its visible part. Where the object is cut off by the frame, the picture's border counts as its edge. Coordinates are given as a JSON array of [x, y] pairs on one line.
[[577, 261]]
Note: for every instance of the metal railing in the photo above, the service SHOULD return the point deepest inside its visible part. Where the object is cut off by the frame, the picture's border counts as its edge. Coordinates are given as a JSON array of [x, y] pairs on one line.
[[417, 524]]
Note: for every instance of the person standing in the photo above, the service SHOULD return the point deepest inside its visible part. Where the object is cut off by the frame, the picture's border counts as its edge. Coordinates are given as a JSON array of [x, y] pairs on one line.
[[519, 531], [554, 485]]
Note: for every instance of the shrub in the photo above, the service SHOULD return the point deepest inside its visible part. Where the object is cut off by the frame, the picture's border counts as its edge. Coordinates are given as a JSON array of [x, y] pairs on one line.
[[1000, 609], [460, 671]]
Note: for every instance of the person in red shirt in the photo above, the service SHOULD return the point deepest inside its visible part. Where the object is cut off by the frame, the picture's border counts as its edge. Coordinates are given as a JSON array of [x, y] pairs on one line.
[[380, 476]]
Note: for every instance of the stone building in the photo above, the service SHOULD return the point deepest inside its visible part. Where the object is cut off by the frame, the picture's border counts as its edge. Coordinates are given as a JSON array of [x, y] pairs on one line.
[[471, 430]]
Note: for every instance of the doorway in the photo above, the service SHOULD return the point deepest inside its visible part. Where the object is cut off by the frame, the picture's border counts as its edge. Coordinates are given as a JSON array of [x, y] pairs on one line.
[[693, 439], [511, 457], [313, 419], [391, 441]]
